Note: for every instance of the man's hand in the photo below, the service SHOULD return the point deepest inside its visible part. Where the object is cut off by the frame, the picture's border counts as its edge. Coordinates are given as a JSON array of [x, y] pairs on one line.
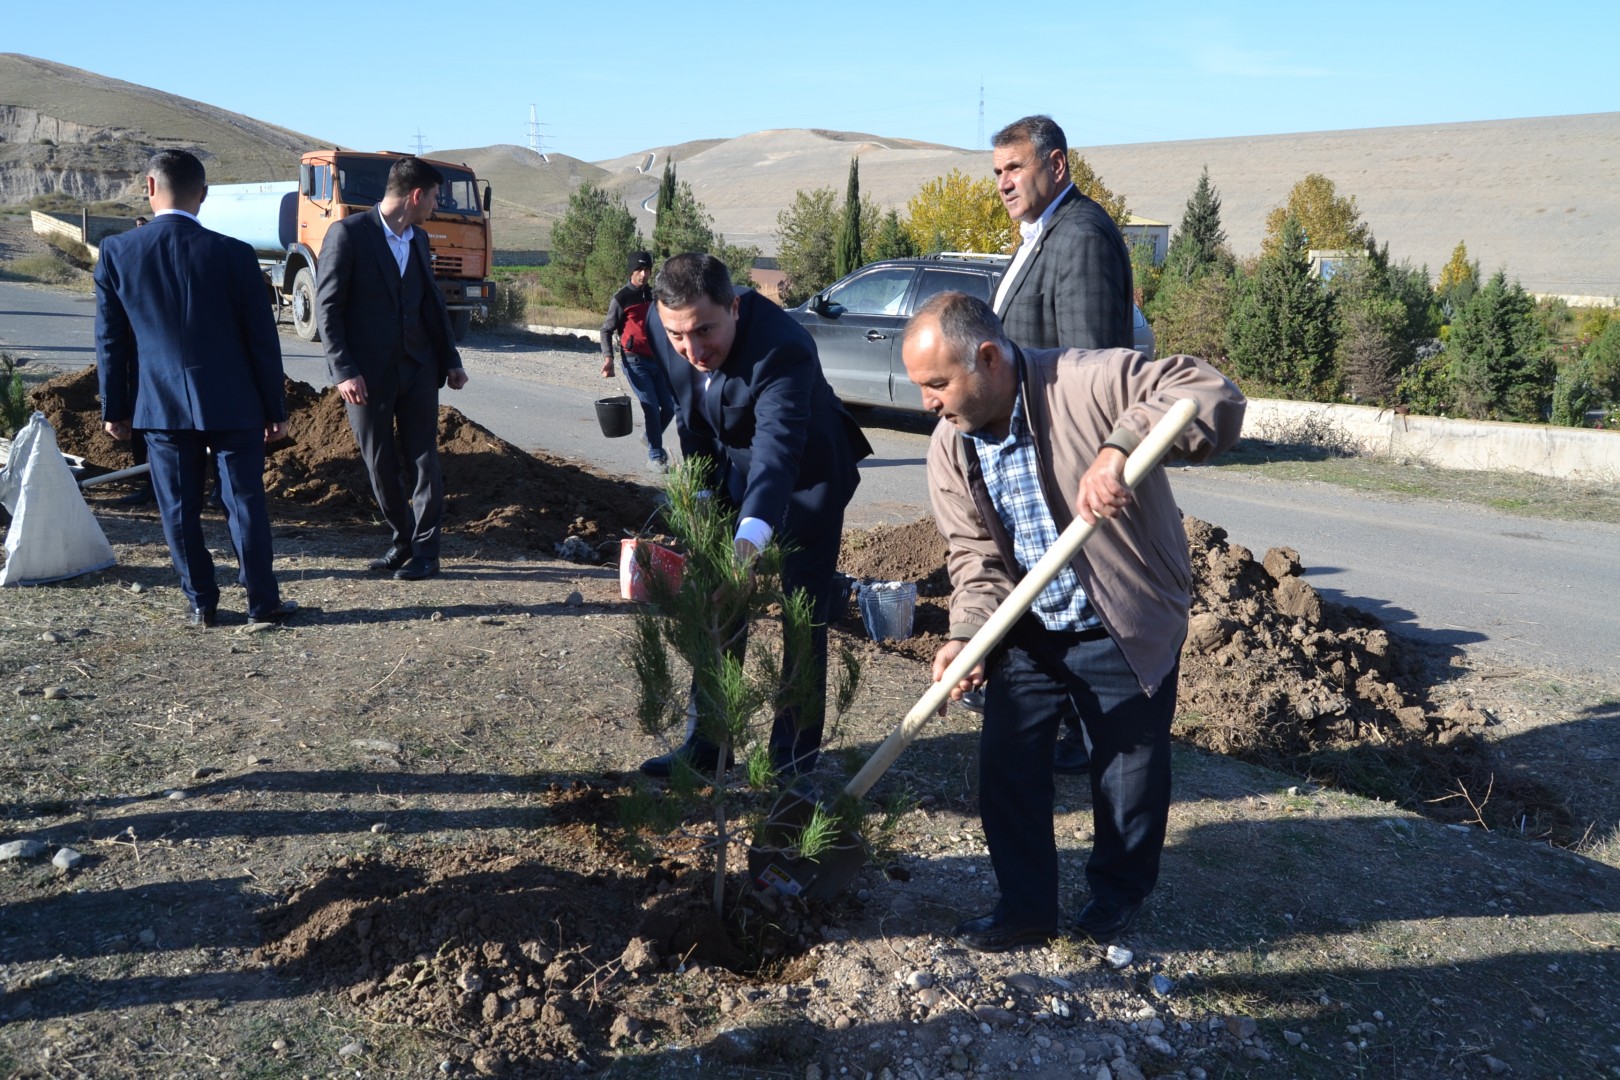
[[353, 390], [119, 429], [274, 432], [1102, 489], [607, 367], [942, 660], [456, 379]]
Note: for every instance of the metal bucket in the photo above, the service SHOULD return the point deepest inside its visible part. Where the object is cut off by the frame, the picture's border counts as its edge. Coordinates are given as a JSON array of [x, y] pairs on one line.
[[613, 413], [887, 608]]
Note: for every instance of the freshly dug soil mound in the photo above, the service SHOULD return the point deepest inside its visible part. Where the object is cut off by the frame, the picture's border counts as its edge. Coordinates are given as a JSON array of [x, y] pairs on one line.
[[531, 960], [1274, 674], [493, 490]]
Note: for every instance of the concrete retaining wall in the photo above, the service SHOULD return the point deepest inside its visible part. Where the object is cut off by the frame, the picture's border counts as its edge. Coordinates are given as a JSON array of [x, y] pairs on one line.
[[89, 231], [1570, 453]]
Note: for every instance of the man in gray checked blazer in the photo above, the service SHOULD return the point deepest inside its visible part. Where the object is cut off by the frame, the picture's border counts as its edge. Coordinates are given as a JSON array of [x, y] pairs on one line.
[[1069, 285]]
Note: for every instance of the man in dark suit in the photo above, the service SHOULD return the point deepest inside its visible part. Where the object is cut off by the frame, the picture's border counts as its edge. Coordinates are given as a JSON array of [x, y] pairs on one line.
[[186, 352], [389, 348], [1069, 285], [751, 397]]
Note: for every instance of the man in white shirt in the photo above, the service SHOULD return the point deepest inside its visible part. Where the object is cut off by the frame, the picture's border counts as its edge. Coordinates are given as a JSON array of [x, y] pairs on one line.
[[389, 347]]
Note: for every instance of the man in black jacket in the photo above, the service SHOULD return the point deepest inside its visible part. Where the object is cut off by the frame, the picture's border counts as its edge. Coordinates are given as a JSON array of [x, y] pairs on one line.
[[627, 316], [752, 399], [389, 348]]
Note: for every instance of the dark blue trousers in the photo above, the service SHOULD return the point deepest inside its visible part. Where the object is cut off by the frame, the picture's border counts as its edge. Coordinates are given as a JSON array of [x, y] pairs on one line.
[[179, 461], [1038, 677], [650, 383]]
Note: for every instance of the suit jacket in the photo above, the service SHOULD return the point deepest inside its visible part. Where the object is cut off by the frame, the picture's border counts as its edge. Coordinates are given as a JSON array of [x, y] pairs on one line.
[[768, 418], [358, 295], [196, 304], [1075, 289]]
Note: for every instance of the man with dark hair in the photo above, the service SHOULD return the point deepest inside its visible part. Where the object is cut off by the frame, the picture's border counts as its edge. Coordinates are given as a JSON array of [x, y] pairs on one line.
[[751, 397], [389, 347], [627, 316], [1027, 439], [186, 352], [1069, 285]]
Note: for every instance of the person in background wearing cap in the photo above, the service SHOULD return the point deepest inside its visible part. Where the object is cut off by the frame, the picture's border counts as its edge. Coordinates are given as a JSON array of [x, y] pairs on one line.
[[627, 317]]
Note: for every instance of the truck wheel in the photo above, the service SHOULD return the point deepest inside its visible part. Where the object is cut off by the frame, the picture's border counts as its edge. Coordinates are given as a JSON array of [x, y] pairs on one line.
[[460, 322], [303, 305]]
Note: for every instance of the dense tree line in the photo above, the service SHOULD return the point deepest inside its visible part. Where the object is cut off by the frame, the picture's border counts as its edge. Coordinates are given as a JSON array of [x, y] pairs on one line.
[[1322, 312]]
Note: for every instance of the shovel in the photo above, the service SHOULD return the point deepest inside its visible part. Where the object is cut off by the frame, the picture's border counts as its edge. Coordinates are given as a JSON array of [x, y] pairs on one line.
[[775, 861]]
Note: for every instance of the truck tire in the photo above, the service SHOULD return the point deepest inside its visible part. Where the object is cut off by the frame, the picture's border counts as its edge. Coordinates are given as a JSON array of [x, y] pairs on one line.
[[460, 321], [303, 305]]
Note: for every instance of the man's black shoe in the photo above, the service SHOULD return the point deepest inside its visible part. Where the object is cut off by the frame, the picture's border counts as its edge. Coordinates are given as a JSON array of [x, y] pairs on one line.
[[1070, 758], [989, 934], [139, 497], [417, 569], [278, 614], [699, 758], [395, 557], [202, 616], [1102, 922]]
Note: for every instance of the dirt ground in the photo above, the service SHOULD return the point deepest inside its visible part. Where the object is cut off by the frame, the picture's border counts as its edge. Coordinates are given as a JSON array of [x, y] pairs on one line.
[[389, 838]]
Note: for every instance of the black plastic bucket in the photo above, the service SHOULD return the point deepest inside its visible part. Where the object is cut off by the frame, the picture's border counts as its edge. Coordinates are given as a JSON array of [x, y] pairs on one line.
[[613, 413]]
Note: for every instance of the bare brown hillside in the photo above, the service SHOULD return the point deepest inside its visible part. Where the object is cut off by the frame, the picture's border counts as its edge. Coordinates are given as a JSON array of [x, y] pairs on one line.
[[69, 130]]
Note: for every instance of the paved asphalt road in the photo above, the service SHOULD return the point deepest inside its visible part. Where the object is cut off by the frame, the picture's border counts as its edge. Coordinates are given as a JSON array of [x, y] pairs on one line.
[[1508, 590]]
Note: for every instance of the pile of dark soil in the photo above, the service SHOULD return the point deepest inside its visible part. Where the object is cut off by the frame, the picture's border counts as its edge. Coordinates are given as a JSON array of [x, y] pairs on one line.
[[494, 491], [1272, 673], [529, 960]]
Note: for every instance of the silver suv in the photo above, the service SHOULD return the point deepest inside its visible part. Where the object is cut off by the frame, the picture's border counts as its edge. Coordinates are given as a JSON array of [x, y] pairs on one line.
[[857, 322]]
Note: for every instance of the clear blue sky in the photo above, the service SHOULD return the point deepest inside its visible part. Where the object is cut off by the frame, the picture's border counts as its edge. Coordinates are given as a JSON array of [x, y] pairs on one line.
[[612, 78]]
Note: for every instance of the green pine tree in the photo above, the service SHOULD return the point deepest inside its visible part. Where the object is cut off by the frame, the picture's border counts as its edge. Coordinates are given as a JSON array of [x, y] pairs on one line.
[[1281, 334], [666, 201], [575, 273], [891, 240], [849, 240], [1200, 244], [1497, 355]]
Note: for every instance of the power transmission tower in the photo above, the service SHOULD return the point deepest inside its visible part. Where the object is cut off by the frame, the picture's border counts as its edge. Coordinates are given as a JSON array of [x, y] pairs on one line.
[[534, 135], [978, 142], [420, 145]]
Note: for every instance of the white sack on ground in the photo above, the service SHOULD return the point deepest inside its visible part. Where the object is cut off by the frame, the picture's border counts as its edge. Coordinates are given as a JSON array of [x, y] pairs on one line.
[[53, 534]]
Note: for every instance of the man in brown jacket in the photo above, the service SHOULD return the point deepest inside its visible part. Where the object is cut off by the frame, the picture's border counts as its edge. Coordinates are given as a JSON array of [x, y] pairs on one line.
[[1031, 438]]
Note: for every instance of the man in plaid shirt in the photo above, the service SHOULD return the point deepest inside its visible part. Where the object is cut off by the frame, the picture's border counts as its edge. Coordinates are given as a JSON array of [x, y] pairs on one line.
[[1028, 439]]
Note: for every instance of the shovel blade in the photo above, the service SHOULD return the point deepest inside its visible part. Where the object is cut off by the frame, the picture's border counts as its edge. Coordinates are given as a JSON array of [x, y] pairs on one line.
[[774, 861]]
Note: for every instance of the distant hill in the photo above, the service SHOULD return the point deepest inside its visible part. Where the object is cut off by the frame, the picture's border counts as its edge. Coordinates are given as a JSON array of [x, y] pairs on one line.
[[69, 130], [1540, 197]]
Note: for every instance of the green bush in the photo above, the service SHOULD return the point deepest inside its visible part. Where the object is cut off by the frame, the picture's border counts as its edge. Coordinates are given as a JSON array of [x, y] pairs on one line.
[[75, 252], [45, 269], [14, 407], [509, 308]]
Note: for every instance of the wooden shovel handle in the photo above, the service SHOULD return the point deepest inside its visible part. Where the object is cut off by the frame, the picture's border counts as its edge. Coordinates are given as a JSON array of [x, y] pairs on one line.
[[1068, 545]]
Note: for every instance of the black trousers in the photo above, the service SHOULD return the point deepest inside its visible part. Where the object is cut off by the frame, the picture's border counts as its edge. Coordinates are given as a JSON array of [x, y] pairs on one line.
[[398, 435], [1037, 678]]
